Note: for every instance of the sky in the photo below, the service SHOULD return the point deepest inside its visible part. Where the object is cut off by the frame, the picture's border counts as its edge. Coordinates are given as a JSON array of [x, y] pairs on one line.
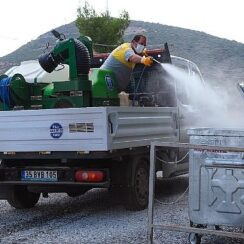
[[24, 20]]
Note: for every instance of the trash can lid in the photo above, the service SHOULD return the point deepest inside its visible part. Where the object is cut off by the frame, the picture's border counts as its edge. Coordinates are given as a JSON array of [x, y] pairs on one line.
[[238, 132]]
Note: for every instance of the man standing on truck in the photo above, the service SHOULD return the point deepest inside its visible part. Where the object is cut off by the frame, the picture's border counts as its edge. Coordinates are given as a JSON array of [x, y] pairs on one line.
[[122, 60]]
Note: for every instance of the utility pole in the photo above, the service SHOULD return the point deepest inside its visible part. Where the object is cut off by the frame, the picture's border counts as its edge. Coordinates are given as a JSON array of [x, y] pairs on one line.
[[107, 11]]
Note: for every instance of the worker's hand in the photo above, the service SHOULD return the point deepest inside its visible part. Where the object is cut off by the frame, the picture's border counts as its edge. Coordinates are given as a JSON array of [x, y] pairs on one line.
[[147, 61], [144, 53]]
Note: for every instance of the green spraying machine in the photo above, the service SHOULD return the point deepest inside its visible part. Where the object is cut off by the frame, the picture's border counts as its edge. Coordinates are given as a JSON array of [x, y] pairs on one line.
[[85, 88]]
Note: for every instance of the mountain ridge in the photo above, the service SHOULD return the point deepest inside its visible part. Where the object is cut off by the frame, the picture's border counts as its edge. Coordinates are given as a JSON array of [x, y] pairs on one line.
[[219, 59]]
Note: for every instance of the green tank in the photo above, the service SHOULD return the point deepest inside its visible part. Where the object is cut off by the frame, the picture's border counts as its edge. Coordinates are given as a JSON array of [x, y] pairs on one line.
[[104, 88]]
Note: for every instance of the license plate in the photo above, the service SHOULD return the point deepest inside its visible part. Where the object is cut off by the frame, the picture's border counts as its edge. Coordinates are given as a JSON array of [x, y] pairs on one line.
[[39, 175]]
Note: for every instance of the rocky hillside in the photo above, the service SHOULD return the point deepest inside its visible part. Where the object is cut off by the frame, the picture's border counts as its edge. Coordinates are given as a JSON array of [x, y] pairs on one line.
[[218, 59]]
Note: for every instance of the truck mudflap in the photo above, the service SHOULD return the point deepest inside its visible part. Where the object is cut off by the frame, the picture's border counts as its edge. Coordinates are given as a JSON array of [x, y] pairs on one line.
[[5, 191]]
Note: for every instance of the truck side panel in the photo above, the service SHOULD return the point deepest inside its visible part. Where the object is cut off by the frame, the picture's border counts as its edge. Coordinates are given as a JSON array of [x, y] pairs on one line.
[[86, 129], [139, 126]]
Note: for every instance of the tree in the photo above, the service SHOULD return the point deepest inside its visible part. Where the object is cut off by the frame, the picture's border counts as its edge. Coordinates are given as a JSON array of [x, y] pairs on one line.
[[105, 31]]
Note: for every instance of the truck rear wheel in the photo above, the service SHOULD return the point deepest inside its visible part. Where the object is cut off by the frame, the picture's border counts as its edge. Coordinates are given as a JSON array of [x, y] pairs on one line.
[[21, 198], [136, 195]]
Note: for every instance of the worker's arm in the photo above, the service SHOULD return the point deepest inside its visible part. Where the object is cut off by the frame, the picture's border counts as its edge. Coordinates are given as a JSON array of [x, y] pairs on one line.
[[138, 59], [135, 59]]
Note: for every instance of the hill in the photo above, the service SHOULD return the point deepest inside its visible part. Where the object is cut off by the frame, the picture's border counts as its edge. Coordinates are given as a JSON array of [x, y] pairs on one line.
[[219, 59]]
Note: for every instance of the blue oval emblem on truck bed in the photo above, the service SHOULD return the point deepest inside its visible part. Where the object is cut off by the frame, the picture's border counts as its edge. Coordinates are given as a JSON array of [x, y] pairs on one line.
[[109, 82], [56, 130]]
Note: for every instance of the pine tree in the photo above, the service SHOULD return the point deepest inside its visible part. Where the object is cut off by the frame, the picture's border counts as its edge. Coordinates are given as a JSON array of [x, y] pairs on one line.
[[105, 31]]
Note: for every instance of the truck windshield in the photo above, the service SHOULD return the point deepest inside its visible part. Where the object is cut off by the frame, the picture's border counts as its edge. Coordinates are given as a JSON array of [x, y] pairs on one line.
[[189, 73]]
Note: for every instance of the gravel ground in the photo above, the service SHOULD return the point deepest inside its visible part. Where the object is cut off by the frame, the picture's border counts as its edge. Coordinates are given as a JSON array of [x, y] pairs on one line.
[[98, 217]]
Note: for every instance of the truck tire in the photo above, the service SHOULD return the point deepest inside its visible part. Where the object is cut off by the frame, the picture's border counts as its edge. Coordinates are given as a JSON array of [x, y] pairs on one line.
[[21, 198], [136, 194]]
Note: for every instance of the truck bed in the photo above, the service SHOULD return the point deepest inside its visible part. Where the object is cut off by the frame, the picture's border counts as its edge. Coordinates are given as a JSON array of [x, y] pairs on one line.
[[86, 129]]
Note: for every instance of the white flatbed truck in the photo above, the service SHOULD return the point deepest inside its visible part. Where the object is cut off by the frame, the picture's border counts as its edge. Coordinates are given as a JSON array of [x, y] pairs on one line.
[[73, 150]]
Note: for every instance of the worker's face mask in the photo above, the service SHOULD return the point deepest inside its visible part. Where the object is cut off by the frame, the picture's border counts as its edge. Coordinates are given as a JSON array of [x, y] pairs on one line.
[[139, 48]]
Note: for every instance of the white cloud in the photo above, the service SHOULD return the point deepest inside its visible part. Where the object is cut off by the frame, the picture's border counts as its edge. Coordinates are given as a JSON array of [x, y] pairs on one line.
[[22, 21]]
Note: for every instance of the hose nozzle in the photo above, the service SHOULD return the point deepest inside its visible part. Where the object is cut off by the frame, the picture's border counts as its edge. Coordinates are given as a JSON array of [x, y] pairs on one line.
[[156, 61]]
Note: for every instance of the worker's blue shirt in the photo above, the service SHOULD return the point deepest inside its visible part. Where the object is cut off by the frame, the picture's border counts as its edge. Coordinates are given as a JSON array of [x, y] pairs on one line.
[[118, 62]]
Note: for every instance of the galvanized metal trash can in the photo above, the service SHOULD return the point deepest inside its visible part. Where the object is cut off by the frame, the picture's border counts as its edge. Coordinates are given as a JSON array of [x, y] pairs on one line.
[[216, 178]]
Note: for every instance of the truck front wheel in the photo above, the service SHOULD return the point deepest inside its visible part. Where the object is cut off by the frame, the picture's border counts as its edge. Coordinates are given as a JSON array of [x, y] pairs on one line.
[[136, 194], [20, 197]]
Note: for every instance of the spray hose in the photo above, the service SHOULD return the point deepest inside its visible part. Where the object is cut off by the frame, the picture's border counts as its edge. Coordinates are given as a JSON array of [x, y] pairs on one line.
[[136, 87], [138, 84]]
